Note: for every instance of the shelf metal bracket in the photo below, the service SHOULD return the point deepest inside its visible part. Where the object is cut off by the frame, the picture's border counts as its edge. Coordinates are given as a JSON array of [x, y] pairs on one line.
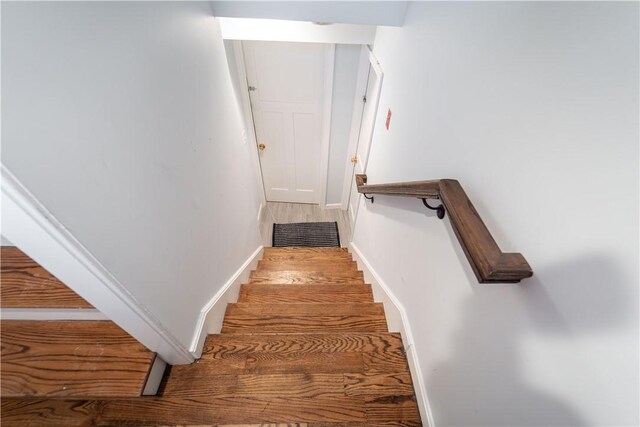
[[368, 197], [439, 209]]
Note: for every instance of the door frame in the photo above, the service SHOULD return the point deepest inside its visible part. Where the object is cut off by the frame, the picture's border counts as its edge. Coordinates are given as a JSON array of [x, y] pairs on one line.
[[367, 59], [325, 136], [247, 118]]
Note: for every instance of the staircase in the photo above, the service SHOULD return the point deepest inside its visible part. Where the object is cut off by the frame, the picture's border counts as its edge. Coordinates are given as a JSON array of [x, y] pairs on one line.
[[61, 358], [305, 346]]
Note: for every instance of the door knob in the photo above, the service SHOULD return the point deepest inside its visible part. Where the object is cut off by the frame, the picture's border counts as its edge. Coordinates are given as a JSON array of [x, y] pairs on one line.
[[354, 160], [262, 147]]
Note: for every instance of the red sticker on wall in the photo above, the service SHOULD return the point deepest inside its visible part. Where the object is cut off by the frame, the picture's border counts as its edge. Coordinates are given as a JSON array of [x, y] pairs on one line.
[[388, 119]]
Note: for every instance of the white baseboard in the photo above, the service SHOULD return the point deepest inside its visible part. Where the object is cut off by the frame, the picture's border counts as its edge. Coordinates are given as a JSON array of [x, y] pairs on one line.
[[154, 378], [51, 314], [333, 206], [31, 227], [397, 321], [212, 314]]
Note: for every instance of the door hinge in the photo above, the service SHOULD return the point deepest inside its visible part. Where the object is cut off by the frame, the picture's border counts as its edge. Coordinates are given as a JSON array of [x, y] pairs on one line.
[[364, 98], [252, 88]]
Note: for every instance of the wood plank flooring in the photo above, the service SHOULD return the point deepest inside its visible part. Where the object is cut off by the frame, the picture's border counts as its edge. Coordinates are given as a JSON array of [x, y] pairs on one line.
[[71, 359], [26, 284], [61, 359], [300, 352]]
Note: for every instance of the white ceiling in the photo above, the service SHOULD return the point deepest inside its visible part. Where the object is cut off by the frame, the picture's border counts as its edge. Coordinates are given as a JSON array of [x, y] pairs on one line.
[[390, 13]]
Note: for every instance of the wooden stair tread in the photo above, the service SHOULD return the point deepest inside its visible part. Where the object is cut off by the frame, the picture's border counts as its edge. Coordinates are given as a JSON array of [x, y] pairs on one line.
[[291, 385], [306, 277], [222, 346], [306, 317], [264, 294], [304, 346], [306, 265], [314, 385], [26, 284], [303, 309], [198, 411], [306, 254], [297, 250], [71, 359]]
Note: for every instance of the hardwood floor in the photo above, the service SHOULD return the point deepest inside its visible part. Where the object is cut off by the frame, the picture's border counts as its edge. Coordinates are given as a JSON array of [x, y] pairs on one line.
[[71, 359], [26, 284], [282, 213], [62, 358], [299, 353]]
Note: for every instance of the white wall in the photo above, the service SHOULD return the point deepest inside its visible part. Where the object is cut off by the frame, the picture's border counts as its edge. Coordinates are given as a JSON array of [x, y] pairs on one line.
[[534, 107], [116, 117], [346, 12], [344, 87]]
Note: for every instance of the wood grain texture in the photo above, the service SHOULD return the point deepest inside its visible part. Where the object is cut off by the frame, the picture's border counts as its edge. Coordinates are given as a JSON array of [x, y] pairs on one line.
[[320, 265], [265, 294], [341, 256], [26, 284], [272, 363], [372, 384], [306, 277], [267, 385], [306, 254], [71, 359], [289, 355], [309, 318], [488, 262], [419, 189], [227, 345]]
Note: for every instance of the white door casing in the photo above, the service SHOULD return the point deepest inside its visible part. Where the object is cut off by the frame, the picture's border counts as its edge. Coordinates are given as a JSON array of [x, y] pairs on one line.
[[287, 83], [367, 127]]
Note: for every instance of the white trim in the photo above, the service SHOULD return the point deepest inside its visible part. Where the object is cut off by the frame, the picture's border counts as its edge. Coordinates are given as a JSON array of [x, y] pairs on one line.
[[329, 65], [333, 206], [51, 314], [212, 314], [375, 65], [28, 224], [247, 117], [397, 320], [356, 122], [378, 69], [261, 211], [154, 378]]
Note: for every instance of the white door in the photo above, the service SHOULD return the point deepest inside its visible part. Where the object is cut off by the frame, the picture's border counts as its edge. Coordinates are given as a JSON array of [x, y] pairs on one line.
[[286, 84], [367, 126]]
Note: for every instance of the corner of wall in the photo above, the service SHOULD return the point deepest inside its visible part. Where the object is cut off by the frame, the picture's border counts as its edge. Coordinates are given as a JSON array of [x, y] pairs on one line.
[[212, 314], [30, 225]]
